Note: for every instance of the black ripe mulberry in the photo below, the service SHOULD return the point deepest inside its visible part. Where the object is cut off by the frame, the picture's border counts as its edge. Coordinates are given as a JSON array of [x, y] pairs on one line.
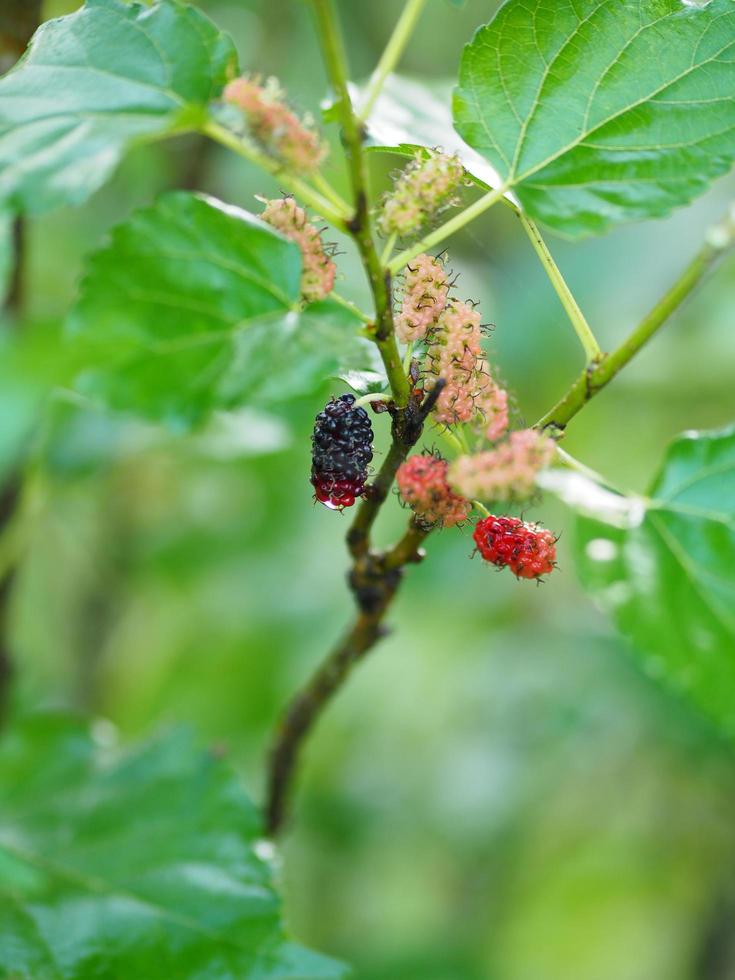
[[341, 451]]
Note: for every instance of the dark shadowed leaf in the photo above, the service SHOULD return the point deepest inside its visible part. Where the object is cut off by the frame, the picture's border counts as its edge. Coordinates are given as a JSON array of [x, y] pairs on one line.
[[138, 865], [601, 111], [96, 81]]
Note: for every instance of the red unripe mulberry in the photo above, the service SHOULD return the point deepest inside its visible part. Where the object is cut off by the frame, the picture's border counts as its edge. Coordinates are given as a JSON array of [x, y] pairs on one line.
[[528, 550], [422, 483]]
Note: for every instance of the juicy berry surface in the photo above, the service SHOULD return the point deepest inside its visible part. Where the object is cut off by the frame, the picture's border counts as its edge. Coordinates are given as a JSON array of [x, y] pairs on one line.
[[341, 452], [528, 550]]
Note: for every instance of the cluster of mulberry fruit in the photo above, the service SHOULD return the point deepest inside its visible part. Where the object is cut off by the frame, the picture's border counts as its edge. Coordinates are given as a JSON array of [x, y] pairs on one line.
[[427, 186], [444, 337], [422, 483], [425, 292], [276, 128], [318, 269], [528, 550], [506, 472], [341, 452], [455, 354]]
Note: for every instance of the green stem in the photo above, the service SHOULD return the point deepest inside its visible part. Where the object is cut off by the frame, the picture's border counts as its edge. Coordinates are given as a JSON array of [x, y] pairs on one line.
[[325, 188], [292, 183], [451, 438], [588, 340], [359, 226], [388, 250], [448, 228], [481, 507], [349, 305], [408, 357], [408, 548], [392, 54], [595, 377], [376, 396]]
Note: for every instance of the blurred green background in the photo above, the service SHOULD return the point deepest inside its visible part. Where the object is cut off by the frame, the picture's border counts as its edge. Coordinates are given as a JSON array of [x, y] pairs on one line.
[[499, 793]]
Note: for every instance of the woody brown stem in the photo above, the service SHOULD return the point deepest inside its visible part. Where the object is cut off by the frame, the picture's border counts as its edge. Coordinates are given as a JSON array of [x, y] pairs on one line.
[[374, 580], [375, 576]]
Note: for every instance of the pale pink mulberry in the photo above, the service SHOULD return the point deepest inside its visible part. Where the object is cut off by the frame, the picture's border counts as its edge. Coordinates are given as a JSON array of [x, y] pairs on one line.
[[424, 297], [506, 472], [425, 187], [318, 272], [277, 128], [470, 393]]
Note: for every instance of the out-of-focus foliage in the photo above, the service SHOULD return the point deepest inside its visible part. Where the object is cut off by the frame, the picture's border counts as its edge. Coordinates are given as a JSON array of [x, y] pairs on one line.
[[92, 84], [501, 792], [141, 866], [663, 566]]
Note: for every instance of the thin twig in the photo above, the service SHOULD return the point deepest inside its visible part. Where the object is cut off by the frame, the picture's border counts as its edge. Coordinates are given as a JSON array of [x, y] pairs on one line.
[[594, 378], [374, 583], [374, 580], [392, 54], [374, 577], [581, 327]]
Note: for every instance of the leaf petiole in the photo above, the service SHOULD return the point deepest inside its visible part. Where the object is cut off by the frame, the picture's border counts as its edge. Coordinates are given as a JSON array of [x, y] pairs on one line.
[[388, 250], [376, 396], [349, 305], [456, 223], [392, 54], [220, 134], [325, 188], [592, 349]]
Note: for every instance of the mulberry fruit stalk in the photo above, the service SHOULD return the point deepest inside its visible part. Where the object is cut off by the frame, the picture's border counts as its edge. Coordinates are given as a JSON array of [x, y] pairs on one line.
[[528, 550], [341, 452]]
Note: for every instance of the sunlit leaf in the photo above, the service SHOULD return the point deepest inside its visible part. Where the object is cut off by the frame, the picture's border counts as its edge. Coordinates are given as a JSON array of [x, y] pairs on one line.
[[145, 864], [664, 567], [96, 81], [413, 113], [194, 306], [601, 111]]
